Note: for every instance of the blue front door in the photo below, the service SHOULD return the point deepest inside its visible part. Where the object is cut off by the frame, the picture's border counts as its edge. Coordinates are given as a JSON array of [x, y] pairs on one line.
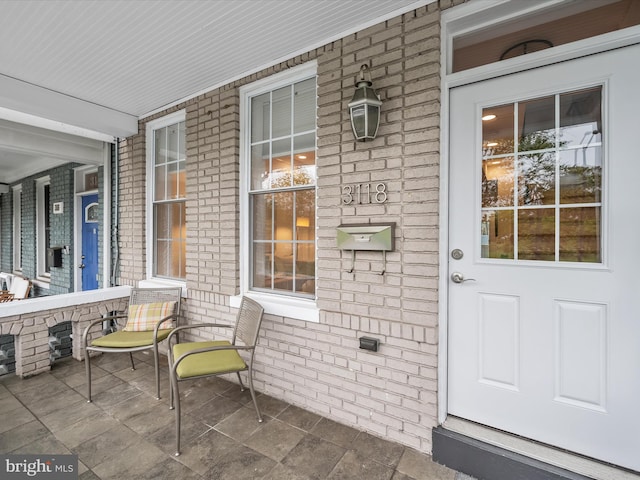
[[89, 253]]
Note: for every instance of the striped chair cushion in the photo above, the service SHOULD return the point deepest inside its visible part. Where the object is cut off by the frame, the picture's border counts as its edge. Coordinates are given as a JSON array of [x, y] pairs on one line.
[[145, 317]]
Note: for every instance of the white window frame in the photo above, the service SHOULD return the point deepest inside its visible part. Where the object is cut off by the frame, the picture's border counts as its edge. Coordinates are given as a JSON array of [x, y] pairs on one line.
[[17, 228], [41, 250], [276, 304], [151, 126]]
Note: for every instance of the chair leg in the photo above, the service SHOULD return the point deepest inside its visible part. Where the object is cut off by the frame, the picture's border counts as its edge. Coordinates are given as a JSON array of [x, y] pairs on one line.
[[156, 361], [133, 366], [170, 382], [240, 381], [87, 364], [176, 394], [253, 395]]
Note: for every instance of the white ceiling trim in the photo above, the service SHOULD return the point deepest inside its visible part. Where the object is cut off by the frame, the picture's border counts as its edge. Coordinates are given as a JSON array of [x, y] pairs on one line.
[[63, 111], [24, 149], [40, 122]]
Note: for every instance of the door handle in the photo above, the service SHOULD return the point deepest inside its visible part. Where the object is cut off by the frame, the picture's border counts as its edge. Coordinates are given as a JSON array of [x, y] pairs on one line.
[[457, 277], [81, 265]]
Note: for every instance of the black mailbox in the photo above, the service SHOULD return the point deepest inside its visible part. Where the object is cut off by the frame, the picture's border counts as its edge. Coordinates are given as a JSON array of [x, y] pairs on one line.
[[54, 256]]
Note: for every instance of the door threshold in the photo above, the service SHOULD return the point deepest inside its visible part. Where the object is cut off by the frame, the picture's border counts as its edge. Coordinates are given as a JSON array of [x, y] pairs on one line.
[[467, 446]]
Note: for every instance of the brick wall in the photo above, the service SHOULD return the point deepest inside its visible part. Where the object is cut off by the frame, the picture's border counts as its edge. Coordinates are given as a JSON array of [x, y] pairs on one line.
[[61, 190], [318, 366], [131, 211]]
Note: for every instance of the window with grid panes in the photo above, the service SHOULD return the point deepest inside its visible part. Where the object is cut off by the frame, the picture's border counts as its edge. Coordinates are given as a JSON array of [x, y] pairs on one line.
[[282, 189], [168, 198]]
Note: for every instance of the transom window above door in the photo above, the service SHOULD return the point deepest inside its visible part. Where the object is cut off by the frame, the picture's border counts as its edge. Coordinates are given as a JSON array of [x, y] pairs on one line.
[[541, 179], [551, 26]]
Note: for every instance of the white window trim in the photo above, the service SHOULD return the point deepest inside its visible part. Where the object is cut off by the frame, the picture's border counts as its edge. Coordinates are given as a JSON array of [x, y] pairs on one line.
[[41, 254], [150, 280], [275, 304], [17, 228]]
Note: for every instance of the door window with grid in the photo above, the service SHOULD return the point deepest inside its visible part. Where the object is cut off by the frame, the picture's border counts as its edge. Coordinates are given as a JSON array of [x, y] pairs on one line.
[[542, 167]]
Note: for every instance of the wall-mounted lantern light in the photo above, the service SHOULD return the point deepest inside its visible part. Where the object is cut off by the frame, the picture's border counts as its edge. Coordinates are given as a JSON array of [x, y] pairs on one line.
[[364, 107]]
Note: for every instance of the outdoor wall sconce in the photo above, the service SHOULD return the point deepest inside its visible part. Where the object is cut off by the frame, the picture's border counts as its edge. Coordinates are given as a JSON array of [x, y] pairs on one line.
[[364, 107]]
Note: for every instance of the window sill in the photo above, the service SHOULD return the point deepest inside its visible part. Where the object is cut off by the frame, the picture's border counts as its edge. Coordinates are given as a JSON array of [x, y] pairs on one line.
[[296, 308], [163, 283]]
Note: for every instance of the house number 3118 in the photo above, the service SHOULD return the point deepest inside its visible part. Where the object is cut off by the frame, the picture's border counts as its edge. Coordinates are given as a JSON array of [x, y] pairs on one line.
[[364, 193]]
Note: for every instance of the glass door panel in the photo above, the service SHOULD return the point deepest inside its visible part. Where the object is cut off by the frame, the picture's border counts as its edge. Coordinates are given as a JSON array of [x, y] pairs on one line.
[[580, 235], [497, 182], [536, 124], [536, 234], [497, 234], [537, 179], [497, 130], [581, 175]]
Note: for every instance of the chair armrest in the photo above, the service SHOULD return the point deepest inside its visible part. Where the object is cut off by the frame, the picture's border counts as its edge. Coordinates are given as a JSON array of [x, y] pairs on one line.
[[85, 333], [173, 317], [95, 322]]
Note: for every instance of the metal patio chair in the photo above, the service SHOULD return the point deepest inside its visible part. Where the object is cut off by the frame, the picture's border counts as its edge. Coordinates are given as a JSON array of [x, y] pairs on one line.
[[192, 360], [149, 309]]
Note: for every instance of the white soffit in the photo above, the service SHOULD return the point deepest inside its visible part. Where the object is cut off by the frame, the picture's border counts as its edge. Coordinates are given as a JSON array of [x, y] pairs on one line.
[[102, 64], [27, 150]]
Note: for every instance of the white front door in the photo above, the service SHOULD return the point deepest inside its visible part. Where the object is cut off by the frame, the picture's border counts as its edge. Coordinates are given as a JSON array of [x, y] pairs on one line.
[[544, 322]]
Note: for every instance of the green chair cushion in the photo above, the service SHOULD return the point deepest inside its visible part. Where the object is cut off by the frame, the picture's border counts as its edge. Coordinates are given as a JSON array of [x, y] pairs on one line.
[[123, 339], [208, 363]]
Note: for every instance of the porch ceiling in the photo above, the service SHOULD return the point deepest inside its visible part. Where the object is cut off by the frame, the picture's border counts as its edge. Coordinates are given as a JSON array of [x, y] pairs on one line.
[[101, 65]]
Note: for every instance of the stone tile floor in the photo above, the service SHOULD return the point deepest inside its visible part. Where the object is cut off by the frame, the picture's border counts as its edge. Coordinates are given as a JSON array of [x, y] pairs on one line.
[[127, 434]]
